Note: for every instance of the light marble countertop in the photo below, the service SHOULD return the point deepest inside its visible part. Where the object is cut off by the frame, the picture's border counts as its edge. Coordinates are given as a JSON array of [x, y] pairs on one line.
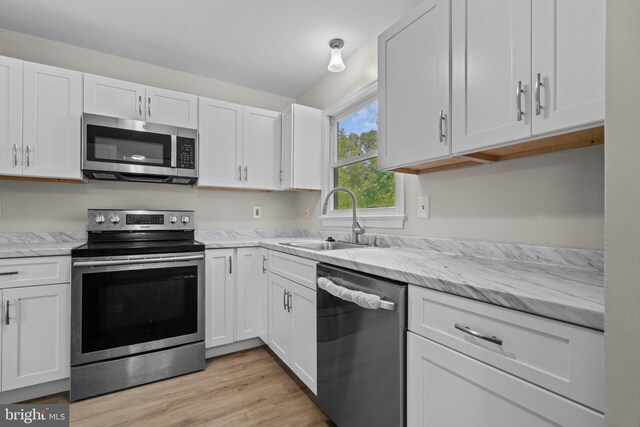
[[559, 283], [567, 293]]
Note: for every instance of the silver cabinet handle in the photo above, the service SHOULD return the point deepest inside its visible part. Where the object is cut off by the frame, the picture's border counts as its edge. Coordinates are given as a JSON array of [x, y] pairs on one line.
[[9, 273], [15, 155], [149, 106], [289, 306], [519, 92], [442, 122], [239, 173], [476, 334], [139, 105], [284, 300], [246, 173], [264, 261], [230, 266], [6, 315], [28, 156], [538, 85]]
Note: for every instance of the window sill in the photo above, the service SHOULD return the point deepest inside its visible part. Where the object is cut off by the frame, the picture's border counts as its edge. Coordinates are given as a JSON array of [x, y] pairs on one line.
[[373, 221]]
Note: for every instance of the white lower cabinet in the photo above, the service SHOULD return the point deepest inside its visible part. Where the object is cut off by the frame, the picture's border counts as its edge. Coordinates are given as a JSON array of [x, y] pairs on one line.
[[471, 363], [36, 327], [446, 388], [234, 295], [292, 322]]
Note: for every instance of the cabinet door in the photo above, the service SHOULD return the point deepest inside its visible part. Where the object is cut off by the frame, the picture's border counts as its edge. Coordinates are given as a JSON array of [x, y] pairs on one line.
[[219, 294], [286, 150], [51, 122], [261, 149], [413, 87], [115, 98], [446, 388], [303, 341], [10, 116], [279, 318], [568, 53], [220, 130], [491, 54], [171, 108], [307, 143], [36, 342], [248, 293], [263, 332]]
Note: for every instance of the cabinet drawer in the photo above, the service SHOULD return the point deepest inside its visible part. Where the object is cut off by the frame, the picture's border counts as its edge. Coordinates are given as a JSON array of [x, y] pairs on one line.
[[294, 268], [34, 271], [563, 358]]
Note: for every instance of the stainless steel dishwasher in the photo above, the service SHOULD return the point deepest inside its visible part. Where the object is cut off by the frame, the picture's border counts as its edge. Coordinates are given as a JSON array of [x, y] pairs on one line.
[[361, 351]]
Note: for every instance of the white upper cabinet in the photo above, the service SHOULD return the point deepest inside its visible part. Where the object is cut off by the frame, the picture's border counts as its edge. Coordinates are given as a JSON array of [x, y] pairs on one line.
[[239, 146], [261, 149], [51, 122], [118, 98], [491, 54], [413, 87], [172, 108], [220, 143], [568, 55], [10, 116], [301, 148], [524, 68], [115, 98]]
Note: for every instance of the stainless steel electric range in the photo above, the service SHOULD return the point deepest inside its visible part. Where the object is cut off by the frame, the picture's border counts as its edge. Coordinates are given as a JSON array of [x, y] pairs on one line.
[[137, 301]]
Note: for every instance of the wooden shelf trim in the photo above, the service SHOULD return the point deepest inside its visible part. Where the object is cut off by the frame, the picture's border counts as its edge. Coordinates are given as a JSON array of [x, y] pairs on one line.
[[552, 144]]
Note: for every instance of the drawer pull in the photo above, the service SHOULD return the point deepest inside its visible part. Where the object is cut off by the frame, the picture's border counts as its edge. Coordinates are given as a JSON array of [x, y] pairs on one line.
[[476, 334], [9, 273]]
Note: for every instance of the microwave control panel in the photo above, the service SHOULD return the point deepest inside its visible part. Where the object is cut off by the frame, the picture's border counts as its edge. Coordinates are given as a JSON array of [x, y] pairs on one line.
[[186, 153]]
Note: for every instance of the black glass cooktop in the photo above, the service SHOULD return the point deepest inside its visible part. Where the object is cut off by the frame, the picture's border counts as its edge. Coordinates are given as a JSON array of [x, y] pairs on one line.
[[97, 249]]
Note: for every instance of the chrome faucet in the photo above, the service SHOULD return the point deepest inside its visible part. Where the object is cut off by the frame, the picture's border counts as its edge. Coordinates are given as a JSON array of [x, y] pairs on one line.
[[356, 229]]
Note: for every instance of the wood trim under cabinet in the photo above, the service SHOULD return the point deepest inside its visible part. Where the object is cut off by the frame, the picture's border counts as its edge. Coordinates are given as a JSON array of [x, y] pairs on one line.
[[551, 144], [38, 179]]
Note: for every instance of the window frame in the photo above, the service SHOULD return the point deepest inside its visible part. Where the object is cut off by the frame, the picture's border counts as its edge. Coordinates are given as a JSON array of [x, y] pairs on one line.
[[389, 217]]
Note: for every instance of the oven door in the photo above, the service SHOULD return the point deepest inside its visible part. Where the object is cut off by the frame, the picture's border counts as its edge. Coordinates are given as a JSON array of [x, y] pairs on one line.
[[124, 305]]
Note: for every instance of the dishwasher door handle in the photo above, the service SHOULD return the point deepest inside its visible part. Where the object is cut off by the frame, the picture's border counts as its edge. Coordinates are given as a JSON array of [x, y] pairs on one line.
[[365, 300]]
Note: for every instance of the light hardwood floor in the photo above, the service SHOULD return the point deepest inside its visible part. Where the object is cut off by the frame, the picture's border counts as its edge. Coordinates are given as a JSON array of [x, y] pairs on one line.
[[249, 388]]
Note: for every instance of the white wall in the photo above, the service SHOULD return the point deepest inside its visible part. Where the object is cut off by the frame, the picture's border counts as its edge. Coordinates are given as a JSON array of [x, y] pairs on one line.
[[622, 246], [37, 206], [555, 199]]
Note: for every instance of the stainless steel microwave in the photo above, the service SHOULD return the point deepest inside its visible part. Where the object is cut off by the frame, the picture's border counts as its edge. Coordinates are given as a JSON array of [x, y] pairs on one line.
[[135, 151]]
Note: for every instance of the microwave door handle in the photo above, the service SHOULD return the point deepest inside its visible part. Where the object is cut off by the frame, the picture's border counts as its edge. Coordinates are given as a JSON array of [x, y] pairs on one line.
[[174, 151]]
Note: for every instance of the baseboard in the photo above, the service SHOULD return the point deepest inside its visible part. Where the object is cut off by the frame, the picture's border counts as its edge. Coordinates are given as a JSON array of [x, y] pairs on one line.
[[34, 391], [233, 347]]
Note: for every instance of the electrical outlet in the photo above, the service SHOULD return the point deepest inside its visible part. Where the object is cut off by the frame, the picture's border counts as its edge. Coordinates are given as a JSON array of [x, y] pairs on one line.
[[257, 212], [423, 207], [307, 213]]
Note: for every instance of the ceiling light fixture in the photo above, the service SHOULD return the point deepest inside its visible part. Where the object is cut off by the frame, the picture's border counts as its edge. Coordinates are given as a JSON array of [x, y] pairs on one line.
[[336, 65]]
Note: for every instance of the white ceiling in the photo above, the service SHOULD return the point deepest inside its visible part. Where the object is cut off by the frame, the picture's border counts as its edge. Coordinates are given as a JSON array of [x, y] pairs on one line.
[[279, 46]]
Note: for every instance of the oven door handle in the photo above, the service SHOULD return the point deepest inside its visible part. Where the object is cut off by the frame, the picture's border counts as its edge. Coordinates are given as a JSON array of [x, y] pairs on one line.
[[136, 261]]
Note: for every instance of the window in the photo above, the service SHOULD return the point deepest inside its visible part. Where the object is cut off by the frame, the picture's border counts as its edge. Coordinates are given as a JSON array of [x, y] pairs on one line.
[[352, 150]]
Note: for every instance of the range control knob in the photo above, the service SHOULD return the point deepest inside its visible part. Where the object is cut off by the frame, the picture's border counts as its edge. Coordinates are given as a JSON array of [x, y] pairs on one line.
[[99, 219], [173, 219], [114, 219], [185, 219]]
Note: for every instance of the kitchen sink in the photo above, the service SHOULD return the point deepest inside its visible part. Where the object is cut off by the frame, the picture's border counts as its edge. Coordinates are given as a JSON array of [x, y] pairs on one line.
[[324, 245]]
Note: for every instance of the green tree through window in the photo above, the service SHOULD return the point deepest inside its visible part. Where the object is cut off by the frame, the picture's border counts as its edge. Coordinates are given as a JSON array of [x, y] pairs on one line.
[[357, 145]]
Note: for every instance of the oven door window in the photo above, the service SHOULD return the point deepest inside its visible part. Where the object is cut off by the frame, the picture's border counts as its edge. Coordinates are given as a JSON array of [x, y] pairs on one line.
[[121, 308], [112, 145]]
